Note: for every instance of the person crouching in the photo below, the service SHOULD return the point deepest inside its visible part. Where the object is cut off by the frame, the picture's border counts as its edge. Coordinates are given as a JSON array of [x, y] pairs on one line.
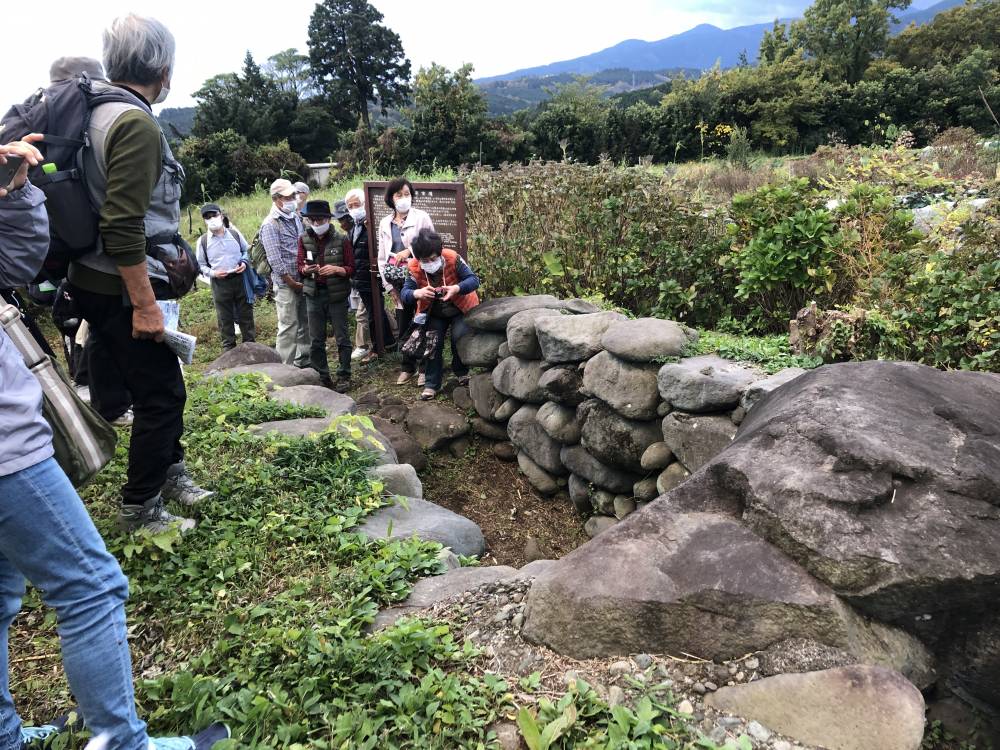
[[326, 262], [444, 289]]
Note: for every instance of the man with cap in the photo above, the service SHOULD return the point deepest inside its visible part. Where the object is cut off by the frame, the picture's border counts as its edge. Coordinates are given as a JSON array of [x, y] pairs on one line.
[[279, 234], [326, 264], [222, 256], [301, 195]]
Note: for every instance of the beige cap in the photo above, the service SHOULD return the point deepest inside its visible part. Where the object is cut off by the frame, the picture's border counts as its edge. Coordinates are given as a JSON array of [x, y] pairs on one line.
[[283, 188]]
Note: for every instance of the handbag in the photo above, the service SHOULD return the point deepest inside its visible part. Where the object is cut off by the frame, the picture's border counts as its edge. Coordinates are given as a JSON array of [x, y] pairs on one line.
[[83, 441], [394, 274], [421, 342]]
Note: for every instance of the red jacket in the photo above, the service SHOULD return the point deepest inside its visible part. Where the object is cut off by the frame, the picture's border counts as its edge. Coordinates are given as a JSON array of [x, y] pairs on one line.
[[463, 302]]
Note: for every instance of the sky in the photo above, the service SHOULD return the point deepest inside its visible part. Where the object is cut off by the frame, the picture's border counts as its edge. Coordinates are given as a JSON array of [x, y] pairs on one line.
[[213, 37]]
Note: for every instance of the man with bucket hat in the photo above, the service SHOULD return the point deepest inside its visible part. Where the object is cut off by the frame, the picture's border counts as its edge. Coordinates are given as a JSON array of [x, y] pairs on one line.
[[326, 264]]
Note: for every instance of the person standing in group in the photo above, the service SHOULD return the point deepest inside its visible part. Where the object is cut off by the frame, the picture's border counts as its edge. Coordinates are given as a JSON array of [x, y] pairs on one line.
[[222, 256], [443, 288], [326, 264], [355, 202], [46, 534], [134, 179], [301, 196], [395, 233], [279, 234]]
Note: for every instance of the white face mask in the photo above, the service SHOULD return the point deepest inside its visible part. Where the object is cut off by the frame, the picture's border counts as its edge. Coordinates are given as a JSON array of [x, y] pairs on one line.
[[358, 214], [403, 205], [214, 224], [162, 96], [432, 266], [321, 229], [288, 206]]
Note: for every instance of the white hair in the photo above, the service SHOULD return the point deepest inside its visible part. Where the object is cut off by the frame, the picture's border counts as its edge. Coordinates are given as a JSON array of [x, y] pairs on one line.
[[138, 50], [355, 193]]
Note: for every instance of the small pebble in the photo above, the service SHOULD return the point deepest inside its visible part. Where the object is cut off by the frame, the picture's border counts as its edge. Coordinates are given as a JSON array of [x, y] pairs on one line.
[[643, 661], [519, 597], [518, 621], [733, 669], [571, 677], [740, 677], [758, 731], [707, 725], [685, 707], [752, 663], [698, 688], [616, 696], [730, 683], [711, 687], [717, 735], [473, 635], [782, 745], [620, 667], [729, 722], [721, 674]]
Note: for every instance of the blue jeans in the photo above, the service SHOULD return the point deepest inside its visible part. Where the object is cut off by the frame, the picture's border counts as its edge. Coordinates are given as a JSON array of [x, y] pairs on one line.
[[435, 363], [47, 537]]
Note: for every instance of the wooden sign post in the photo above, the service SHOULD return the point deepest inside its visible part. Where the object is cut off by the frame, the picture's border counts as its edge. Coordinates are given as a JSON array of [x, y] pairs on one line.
[[443, 201]]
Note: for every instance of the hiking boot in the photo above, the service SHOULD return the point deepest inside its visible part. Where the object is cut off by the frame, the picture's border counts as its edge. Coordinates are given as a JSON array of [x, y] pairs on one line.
[[181, 487], [204, 740], [343, 384], [153, 516], [326, 382]]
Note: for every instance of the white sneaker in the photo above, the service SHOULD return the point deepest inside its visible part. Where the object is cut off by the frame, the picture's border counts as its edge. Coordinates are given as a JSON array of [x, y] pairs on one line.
[[125, 420], [361, 351]]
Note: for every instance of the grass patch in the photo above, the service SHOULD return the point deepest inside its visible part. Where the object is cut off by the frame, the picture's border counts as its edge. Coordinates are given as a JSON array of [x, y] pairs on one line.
[[769, 353]]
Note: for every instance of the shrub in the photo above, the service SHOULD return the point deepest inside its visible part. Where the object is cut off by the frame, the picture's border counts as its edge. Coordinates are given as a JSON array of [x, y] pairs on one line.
[[620, 234], [785, 250]]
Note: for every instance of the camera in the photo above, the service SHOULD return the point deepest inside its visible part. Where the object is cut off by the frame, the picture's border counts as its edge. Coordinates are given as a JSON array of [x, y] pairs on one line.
[[438, 294]]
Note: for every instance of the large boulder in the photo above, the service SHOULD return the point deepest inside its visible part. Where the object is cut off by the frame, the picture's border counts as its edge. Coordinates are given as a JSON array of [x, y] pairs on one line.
[[883, 480], [698, 583], [519, 378], [522, 338], [490, 429], [398, 479], [697, 439], [573, 338], [563, 384], [559, 422], [485, 398], [847, 708], [646, 340], [247, 353], [333, 403], [704, 384], [427, 521], [369, 439], [760, 388], [434, 424], [629, 389], [613, 439], [527, 434], [278, 374], [434, 589], [577, 460], [480, 348], [405, 447], [494, 314]]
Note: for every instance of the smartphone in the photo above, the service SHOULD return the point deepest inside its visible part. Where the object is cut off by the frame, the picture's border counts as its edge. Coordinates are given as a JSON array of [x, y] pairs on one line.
[[8, 170]]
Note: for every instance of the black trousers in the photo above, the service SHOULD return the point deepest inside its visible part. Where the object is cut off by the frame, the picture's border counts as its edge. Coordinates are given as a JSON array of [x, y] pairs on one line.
[[366, 297], [108, 394], [231, 306], [152, 375]]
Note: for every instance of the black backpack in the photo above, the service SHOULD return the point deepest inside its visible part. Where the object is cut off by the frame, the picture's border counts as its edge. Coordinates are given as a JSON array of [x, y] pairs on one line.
[[62, 113]]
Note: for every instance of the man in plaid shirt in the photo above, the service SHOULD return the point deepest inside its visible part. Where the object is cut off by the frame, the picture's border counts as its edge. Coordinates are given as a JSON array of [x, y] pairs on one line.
[[279, 235]]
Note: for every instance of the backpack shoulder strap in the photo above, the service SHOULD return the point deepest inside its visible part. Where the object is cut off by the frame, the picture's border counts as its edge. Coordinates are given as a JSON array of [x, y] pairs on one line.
[[203, 246]]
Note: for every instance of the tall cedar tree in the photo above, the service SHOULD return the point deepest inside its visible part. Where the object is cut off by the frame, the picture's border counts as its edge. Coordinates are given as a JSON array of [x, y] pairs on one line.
[[355, 58]]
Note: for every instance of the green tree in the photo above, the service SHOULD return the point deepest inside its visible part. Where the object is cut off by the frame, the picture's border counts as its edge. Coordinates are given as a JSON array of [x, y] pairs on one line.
[[950, 36], [775, 45], [356, 59], [845, 35], [572, 123], [291, 71], [448, 116]]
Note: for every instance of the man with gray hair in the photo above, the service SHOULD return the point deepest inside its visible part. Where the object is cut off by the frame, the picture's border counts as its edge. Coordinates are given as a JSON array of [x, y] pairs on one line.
[[301, 195], [133, 177]]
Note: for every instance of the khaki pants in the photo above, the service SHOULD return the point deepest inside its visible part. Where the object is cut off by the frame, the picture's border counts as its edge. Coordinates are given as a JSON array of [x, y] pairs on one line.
[[362, 332], [293, 327]]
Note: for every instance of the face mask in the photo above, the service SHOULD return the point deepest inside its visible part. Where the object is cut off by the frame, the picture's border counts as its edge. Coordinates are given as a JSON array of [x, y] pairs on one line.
[[403, 205], [214, 224], [431, 267], [321, 229], [288, 207], [358, 214], [162, 96]]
